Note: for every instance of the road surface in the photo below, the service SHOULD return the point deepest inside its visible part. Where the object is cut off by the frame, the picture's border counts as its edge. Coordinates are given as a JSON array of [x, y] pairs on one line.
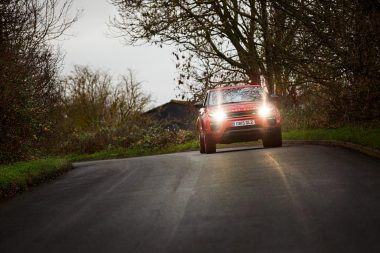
[[300, 198]]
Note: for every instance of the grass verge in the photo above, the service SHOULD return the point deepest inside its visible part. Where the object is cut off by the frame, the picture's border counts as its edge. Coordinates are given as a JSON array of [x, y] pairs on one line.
[[369, 137], [19, 177], [133, 152]]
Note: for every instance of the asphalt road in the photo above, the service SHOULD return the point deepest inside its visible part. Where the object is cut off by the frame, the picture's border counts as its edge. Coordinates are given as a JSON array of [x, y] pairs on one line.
[[300, 198]]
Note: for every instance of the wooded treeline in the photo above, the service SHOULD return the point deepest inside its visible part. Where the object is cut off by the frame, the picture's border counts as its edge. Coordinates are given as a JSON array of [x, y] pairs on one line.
[[318, 55], [43, 113], [29, 65]]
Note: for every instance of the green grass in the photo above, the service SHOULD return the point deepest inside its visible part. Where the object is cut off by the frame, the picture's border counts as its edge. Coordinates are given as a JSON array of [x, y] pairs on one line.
[[369, 137], [20, 176], [133, 152]]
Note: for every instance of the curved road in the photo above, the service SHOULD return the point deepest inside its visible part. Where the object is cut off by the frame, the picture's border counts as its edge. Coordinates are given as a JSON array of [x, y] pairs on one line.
[[299, 198]]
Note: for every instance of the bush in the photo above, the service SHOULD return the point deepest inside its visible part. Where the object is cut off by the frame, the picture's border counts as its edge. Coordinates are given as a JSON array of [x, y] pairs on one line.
[[313, 117], [152, 135], [304, 117]]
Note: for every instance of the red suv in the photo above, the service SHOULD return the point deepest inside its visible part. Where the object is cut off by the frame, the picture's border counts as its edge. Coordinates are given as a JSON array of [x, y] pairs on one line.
[[236, 114]]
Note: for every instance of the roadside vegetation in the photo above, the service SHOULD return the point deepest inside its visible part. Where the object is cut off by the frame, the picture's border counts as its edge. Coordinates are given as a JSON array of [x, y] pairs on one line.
[[368, 137], [19, 177], [100, 117]]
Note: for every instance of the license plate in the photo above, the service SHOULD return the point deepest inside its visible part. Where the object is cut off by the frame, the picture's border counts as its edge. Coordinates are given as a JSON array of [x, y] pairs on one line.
[[243, 123]]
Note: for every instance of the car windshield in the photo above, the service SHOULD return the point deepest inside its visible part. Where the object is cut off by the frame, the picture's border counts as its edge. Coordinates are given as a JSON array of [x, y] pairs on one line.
[[235, 95]]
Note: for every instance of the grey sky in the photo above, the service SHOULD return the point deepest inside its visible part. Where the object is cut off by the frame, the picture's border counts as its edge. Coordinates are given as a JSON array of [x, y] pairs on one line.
[[91, 45]]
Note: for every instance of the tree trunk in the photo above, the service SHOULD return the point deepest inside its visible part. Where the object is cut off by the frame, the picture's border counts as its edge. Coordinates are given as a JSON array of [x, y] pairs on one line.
[[254, 78]]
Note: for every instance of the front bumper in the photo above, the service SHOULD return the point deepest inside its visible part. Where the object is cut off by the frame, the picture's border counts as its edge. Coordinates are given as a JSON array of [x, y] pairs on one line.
[[225, 132]]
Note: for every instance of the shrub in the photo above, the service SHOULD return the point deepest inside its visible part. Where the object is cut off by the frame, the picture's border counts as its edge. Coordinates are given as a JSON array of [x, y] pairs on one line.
[[150, 135]]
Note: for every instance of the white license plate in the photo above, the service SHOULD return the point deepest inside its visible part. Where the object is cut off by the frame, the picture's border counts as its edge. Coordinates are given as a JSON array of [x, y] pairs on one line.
[[243, 123]]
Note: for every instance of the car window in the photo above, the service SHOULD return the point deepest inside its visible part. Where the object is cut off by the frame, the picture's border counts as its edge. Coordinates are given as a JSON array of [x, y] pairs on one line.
[[236, 95]]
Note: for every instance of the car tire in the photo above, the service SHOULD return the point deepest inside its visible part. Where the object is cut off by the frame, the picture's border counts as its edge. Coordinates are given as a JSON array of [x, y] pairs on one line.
[[272, 138], [210, 145], [201, 143]]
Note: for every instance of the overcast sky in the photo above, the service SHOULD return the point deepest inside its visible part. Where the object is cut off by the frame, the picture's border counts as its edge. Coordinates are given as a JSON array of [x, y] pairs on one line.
[[91, 44]]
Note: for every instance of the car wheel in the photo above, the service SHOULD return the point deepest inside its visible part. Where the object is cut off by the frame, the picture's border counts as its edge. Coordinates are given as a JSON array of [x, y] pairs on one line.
[[210, 145], [201, 143], [272, 138]]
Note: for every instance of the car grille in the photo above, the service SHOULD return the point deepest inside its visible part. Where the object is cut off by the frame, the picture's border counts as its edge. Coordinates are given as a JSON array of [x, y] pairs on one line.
[[241, 114], [245, 127]]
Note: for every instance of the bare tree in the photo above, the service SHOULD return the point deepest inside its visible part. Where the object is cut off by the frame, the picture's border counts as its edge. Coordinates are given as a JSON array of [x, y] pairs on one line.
[[195, 75], [239, 32], [131, 99], [94, 100], [87, 98]]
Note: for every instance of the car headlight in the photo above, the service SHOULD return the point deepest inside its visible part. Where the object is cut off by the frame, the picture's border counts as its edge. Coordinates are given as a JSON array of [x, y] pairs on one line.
[[218, 115], [265, 111]]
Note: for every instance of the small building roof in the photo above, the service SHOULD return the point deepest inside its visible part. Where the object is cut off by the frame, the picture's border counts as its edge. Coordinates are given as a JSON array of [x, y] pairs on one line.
[[172, 101]]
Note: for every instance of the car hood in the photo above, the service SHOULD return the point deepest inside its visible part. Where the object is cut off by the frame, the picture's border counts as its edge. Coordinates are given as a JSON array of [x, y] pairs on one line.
[[237, 107]]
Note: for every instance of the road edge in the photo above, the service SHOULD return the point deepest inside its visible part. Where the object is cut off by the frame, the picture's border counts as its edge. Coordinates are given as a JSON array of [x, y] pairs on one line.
[[348, 145]]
